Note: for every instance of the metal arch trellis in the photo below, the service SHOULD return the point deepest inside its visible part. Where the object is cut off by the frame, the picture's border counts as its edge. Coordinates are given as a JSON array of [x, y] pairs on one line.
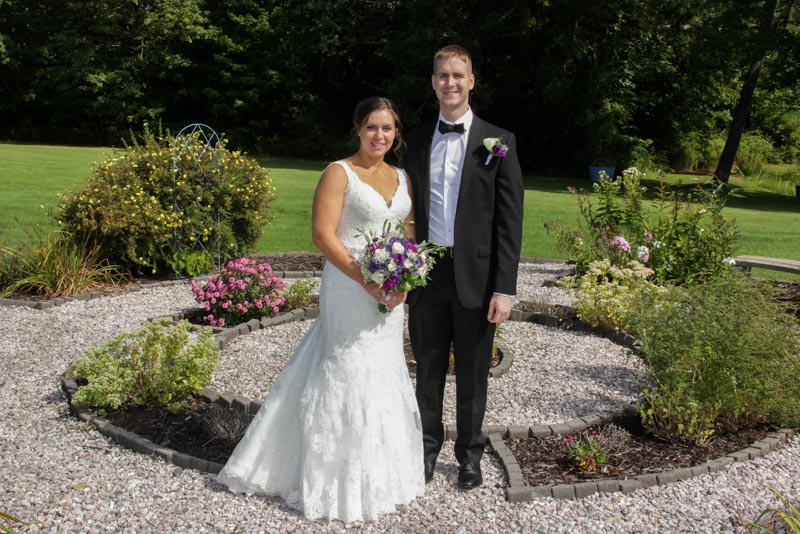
[[201, 183]]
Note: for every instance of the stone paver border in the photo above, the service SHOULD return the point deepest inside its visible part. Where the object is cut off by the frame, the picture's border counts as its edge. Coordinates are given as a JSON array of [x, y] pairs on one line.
[[519, 491], [52, 303]]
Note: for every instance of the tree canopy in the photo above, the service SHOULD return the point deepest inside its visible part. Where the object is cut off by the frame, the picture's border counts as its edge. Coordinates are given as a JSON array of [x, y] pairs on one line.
[[579, 81]]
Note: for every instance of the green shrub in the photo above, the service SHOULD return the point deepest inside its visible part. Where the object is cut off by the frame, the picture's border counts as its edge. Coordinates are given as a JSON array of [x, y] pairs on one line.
[[158, 365], [126, 207], [727, 347], [298, 295], [753, 153], [672, 414], [55, 265], [687, 241]]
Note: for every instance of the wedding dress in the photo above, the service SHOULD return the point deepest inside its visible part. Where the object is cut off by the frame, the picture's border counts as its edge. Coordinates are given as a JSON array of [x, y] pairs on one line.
[[338, 435]]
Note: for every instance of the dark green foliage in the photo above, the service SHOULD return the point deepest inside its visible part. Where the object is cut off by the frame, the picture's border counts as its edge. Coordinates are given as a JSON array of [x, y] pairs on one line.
[[579, 81]]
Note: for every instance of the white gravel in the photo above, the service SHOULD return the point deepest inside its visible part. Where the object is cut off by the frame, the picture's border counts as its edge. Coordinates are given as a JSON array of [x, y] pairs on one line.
[[66, 477]]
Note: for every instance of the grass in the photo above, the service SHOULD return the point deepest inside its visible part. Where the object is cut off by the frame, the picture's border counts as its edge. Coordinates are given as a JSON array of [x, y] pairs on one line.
[[31, 176]]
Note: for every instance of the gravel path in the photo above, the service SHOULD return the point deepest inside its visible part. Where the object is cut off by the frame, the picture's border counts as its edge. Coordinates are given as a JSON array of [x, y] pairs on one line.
[[67, 477]]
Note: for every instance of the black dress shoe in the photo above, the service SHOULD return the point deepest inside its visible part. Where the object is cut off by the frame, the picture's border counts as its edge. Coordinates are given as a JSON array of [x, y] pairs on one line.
[[469, 476], [430, 466]]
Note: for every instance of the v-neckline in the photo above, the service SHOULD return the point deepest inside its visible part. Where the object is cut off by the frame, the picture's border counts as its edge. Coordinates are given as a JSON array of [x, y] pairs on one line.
[[388, 203]]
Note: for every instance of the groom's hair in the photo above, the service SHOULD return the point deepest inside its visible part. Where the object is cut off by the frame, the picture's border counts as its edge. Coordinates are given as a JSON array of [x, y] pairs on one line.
[[452, 51]]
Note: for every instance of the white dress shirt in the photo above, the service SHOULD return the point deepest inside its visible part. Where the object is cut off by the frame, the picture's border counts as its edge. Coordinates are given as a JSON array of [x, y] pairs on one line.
[[447, 163]]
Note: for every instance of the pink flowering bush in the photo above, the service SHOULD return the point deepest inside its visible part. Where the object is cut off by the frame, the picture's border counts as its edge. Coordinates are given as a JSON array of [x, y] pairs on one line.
[[243, 290]]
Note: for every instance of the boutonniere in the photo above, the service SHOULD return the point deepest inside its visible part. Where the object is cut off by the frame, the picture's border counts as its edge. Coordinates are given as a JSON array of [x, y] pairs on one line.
[[496, 147]]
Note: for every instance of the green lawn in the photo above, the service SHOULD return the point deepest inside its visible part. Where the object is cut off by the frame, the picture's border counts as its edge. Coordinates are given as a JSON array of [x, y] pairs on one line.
[[31, 176]]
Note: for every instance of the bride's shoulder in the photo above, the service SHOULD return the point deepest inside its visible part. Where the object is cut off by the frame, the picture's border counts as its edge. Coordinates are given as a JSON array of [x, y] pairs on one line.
[[336, 172]]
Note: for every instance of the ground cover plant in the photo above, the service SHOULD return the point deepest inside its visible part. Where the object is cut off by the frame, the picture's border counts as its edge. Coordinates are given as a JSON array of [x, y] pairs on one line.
[[161, 365]]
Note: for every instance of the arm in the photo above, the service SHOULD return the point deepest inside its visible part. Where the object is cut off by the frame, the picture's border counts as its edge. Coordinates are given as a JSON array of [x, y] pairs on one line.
[[507, 224], [410, 224]]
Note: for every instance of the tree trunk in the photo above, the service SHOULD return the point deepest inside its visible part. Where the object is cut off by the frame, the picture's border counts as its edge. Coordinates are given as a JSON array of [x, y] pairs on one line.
[[740, 114]]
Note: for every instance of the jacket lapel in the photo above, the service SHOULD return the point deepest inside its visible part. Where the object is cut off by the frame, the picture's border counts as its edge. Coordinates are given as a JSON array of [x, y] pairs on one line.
[[473, 158], [425, 171]]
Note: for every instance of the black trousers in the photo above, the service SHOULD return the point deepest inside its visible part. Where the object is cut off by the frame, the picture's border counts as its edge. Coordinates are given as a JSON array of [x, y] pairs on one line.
[[437, 319]]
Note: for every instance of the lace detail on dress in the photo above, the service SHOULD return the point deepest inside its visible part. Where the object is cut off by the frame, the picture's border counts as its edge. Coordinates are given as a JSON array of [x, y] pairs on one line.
[[339, 436]]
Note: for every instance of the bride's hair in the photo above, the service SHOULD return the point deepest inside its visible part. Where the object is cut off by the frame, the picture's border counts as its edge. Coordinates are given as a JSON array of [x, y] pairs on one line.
[[377, 103]]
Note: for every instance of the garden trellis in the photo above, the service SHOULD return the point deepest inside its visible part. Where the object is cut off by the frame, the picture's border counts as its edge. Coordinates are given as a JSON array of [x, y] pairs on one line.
[[194, 159]]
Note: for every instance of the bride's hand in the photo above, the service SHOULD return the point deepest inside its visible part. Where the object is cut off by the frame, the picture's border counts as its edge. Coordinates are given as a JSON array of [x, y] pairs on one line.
[[394, 299]]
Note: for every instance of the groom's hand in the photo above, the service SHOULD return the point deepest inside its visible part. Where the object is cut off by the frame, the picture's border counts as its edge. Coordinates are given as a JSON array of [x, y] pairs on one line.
[[499, 308]]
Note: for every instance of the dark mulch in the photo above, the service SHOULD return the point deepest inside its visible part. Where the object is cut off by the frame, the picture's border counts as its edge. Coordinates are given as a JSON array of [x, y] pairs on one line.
[[544, 462], [300, 261], [183, 431]]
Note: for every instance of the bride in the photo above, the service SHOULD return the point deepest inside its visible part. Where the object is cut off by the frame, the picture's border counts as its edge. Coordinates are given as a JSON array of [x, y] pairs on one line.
[[339, 436]]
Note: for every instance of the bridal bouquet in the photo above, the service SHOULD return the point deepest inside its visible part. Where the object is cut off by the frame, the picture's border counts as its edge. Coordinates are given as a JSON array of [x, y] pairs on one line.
[[395, 262]]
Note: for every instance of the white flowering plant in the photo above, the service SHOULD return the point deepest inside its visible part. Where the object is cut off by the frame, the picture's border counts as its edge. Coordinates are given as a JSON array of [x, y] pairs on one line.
[[394, 262]]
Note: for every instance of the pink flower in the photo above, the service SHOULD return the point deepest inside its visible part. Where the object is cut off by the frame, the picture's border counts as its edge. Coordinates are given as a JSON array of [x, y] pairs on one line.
[[620, 243]]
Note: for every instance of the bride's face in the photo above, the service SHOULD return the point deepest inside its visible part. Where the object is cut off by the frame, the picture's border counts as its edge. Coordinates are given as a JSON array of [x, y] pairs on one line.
[[377, 133]]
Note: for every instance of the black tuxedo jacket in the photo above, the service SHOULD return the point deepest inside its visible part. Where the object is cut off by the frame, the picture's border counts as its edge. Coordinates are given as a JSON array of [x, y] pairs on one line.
[[488, 223]]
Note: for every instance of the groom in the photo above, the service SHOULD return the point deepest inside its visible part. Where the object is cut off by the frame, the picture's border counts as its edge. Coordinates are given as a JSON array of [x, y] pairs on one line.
[[470, 201]]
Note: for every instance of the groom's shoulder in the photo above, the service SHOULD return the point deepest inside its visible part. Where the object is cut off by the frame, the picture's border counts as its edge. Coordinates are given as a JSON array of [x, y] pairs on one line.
[[492, 129]]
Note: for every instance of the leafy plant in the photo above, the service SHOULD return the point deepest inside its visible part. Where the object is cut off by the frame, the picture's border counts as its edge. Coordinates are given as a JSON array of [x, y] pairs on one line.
[[778, 521], [606, 291], [159, 365], [190, 263], [127, 207], [754, 152], [243, 290], [687, 241], [11, 519], [55, 265], [727, 349], [586, 451], [671, 414], [298, 294]]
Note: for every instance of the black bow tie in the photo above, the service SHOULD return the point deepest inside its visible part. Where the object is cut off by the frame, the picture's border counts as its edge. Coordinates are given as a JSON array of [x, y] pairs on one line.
[[450, 128]]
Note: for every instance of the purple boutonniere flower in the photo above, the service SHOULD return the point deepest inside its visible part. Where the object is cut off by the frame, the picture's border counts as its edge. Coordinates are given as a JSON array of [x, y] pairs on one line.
[[496, 147]]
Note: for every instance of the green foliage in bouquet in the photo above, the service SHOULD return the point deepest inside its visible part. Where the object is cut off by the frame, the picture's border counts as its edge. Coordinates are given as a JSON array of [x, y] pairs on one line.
[[126, 207], [159, 365]]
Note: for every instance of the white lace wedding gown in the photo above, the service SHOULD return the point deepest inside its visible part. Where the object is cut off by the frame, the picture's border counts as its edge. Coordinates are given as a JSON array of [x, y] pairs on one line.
[[339, 436]]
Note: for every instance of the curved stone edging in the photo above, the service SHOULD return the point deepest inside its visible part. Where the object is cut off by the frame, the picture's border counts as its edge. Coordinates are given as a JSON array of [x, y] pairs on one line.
[[52, 303], [518, 490], [133, 441]]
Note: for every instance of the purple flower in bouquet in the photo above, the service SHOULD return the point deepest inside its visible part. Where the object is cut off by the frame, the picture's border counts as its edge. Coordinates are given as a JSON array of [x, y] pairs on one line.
[[395, 262]]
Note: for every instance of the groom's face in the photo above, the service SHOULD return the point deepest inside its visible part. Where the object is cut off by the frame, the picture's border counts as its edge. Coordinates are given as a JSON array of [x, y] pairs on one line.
[[452, 81]]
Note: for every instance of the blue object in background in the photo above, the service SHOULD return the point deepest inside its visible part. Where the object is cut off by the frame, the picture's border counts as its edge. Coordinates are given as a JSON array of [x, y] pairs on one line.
[[594, 173]]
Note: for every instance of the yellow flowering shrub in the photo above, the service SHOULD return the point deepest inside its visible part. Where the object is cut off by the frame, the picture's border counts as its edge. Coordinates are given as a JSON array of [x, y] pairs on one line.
[[128, 205]]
